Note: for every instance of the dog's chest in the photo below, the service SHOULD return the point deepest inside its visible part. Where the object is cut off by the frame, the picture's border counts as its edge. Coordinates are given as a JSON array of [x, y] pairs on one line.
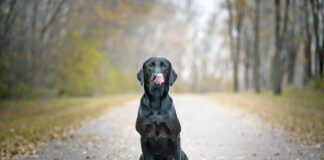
[[157, 128], [157, 123]]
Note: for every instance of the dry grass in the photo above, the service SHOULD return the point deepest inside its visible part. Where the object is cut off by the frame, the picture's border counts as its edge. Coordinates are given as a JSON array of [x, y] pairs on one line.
[[26, 123], [298, 112]]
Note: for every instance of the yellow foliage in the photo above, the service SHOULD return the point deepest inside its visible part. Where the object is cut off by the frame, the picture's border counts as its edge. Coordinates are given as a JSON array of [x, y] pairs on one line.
[[119, 82], [78, 73]]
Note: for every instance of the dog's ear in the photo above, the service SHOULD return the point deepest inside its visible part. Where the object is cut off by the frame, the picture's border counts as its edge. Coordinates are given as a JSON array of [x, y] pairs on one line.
[[140, 76], [172, 77]]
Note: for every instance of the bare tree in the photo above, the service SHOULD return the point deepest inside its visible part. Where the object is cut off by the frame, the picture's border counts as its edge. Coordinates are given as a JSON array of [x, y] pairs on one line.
[[256, 66], [278, 58], [317, 13], [231, 39], [307, 42]]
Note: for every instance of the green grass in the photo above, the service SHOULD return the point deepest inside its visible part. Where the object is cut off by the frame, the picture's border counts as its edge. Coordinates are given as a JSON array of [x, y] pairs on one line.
[[26, 123], [300, 112]]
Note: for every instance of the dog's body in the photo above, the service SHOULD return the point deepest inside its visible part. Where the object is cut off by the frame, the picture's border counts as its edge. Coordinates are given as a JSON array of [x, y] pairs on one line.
[[157, 121]]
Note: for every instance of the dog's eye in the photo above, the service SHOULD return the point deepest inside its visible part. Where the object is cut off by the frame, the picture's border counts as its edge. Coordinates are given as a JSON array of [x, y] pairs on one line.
[[164, 66], [150, 66]]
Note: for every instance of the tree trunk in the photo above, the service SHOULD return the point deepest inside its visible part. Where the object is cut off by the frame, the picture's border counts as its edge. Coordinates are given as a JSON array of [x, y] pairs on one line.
[[321, 56], [256, 67], [307, 50], [247, 60], [276, 68], [292, 52], [234, 55], [277, 61], [315, 12]]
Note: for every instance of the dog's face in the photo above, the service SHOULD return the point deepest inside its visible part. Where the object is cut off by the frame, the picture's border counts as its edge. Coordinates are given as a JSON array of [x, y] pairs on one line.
[[156, 75]]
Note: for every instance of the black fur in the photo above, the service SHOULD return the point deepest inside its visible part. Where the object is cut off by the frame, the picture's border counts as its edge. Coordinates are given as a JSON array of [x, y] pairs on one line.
[[157, 121]]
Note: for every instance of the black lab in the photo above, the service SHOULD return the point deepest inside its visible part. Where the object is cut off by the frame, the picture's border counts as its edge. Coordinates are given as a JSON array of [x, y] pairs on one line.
[[157, 121]]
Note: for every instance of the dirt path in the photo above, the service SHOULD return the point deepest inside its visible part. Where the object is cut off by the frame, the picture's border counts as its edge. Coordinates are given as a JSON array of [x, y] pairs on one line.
[[209, 132]]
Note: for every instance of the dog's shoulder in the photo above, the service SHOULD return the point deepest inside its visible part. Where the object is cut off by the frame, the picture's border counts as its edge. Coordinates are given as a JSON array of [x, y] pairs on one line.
[[145, 102], [167, 103], [144, 106]]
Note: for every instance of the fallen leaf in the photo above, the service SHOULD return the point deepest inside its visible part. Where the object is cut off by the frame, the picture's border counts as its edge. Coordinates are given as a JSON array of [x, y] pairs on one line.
[[318, 146]]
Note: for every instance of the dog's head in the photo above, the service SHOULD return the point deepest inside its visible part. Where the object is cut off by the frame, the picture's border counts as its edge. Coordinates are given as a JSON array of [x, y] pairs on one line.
[[156, 75]]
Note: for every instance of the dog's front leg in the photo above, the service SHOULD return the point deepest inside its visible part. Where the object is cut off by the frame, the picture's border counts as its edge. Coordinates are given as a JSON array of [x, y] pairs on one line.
[[176, 148], [145, 151]]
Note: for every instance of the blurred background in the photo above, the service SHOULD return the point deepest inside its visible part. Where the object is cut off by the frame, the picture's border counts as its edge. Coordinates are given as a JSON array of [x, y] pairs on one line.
[[53, 52], [54, 48]]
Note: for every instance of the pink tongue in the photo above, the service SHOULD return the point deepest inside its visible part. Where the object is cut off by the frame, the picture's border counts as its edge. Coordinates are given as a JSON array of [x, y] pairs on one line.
[[159, 79]]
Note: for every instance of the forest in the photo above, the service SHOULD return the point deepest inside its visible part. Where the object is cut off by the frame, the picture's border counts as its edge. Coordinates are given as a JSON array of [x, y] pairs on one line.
[[280, 42], [64, 47], [53, 48]]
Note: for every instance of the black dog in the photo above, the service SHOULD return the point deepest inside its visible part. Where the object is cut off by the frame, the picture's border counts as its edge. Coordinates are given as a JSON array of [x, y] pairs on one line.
[[157, 121]]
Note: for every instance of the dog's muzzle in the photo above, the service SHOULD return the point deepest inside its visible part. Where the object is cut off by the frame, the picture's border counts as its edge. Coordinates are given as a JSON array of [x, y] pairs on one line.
[[158, 78]]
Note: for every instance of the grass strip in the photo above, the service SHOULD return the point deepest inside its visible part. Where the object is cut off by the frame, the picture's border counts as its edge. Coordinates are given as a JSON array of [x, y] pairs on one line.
[[295, 111], [24, 124]]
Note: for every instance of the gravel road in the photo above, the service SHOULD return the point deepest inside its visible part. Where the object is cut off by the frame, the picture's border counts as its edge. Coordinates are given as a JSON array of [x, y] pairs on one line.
[[210, 131]]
